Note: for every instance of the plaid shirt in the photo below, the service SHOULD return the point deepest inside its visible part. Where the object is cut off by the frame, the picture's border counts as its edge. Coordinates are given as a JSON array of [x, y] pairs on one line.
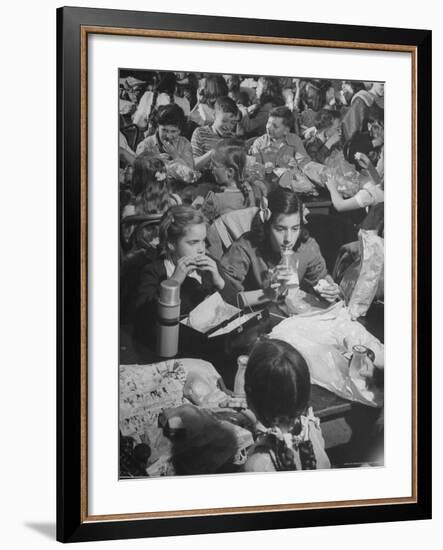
[[279, 153]]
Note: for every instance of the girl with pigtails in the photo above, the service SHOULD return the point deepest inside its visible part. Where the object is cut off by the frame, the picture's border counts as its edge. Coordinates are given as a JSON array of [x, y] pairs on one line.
[[228, 166], [277, 228], [278, 386]]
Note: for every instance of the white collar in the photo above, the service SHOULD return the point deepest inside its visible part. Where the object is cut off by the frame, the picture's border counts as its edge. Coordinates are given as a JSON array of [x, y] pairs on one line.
[[170, 268]]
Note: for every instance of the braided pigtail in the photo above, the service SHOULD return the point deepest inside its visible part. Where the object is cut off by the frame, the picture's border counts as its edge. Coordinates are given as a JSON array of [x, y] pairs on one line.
[[285, 446], [277, 387], [153, 113], [232, 155], [244, 188], [305, 448], [307, 455], [284, 453]]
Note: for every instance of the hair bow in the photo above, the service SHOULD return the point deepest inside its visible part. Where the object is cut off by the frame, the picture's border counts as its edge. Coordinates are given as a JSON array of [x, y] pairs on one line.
[[265, 212], [160, 176]]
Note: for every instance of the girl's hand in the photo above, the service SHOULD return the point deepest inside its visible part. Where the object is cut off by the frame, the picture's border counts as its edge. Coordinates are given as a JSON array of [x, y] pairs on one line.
[[205, 263], [329, 293], [253, 108], [378, 141], [363, 160], [330, 184], [165, 157], [332, 140], [170, 148], [184, 266]]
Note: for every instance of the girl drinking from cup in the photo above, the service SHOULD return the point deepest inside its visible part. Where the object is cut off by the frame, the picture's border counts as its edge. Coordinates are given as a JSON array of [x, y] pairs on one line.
[[277, 387], [277, 229]]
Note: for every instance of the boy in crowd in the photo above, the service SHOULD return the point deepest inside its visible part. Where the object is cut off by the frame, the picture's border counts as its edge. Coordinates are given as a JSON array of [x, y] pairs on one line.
[[205, 138]]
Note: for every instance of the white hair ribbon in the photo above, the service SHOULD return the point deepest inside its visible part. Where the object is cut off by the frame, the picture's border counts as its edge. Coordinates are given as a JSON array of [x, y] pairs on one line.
[[265, 212]]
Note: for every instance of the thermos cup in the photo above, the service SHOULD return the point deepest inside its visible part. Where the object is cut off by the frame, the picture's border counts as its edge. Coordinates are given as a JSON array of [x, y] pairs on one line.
[[168, 318]]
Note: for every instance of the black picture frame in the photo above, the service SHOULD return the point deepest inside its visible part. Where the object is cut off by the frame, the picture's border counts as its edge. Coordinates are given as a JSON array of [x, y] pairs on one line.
[[73, 524]]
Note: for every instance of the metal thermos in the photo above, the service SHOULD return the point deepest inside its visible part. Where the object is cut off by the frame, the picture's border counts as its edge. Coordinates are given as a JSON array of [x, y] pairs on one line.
[[168, 318], [239, 382]]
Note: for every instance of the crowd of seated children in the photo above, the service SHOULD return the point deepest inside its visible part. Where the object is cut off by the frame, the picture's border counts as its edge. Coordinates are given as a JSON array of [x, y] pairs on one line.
[[216, 126], [238, 120]]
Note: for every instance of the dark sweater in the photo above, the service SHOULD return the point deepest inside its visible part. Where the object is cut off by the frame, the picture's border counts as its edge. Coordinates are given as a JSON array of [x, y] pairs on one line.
[[192, 293]]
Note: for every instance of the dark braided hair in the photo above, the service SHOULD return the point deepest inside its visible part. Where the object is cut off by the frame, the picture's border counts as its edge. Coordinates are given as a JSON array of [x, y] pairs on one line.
[[231, 153], [278, 387], [166, 85], [272, 92]]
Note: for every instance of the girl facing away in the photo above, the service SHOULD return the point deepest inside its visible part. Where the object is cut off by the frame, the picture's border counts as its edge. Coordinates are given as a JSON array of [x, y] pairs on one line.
[[228, 167], [278, 387], [150, 190], [277, 228]]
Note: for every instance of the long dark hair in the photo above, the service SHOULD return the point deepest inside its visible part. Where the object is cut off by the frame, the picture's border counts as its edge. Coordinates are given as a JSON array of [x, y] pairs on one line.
[[215, 87], [170, 114], [149, 185], [272, 92], [278, 388], [280, 201], [166, 85]]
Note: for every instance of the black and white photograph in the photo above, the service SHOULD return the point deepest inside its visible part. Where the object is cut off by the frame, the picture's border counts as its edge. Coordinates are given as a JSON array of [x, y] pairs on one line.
[[251, 273]]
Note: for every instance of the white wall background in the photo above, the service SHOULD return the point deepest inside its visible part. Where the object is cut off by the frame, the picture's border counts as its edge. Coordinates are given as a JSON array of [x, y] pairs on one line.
[[27, 272]]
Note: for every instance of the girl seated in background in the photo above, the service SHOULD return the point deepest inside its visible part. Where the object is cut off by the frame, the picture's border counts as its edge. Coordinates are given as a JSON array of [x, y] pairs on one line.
[[277, 228], [204, 112], [167, 143], [278, 387], [370, 194], [228, 166], [327, 135], [183, 258], [311, 102], [372, 144], [150, 190], [269, 96]]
